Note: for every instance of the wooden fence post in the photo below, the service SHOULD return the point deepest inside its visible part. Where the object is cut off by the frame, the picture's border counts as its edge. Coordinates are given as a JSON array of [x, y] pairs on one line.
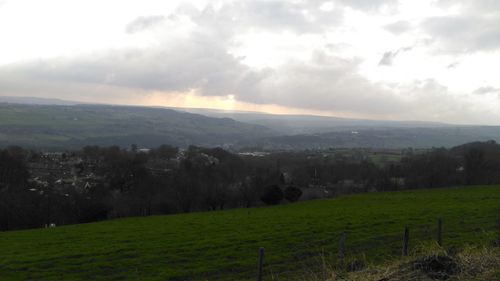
[[260, 264], [406, 239], [440, 232], [343, 237]]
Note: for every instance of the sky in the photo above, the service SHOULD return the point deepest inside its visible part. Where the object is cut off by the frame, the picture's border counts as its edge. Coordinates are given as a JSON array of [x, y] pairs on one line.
[[426, 60]]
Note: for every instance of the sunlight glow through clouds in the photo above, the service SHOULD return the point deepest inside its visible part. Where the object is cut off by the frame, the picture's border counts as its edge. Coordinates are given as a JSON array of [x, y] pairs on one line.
[[248, 55], [194, 100]]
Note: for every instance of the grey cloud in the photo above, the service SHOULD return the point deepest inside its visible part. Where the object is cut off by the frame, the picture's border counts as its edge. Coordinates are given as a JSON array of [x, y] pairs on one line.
[[473, 6], [465, 33], [239, 16], [399, 27], [325, 83], [21, 82], [333, 84], [276, 15], [143, 23], [369, 5], [388, 57], [200, 61], [431, 100], [197, 63], [487, 90], [475, 28]]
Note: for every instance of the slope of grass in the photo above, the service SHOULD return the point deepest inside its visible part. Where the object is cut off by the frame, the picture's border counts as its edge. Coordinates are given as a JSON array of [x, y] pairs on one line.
[[223, 245]]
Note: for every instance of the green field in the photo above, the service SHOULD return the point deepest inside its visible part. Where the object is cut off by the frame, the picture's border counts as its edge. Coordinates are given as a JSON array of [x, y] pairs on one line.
[[223, 245]]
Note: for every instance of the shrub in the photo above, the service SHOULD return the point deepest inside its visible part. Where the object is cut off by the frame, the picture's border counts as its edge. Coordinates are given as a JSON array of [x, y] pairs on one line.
[[292, 193], [272, 195]]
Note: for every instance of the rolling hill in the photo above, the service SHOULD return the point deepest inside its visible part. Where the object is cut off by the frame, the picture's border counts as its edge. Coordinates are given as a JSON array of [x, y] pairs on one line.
[[391, 138], [74, 126], [59, 125], [223, 245], [310, 124]]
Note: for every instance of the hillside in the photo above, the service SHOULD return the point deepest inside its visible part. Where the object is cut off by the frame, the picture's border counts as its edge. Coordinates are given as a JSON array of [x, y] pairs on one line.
[[36, 101], [59, 124], [284, 124], [310, 124], [385, 138], [74, 126], [223, 245]]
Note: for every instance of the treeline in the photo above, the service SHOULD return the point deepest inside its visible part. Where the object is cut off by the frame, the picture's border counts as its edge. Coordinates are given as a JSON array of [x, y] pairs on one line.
[[96, 183], [99, 183]]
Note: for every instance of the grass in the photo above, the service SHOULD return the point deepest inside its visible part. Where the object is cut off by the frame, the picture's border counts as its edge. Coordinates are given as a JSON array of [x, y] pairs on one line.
[[223, 245]]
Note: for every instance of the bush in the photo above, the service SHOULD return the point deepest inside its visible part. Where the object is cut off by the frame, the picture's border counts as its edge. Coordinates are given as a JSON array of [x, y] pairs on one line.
[[292, 193], [272, 195]]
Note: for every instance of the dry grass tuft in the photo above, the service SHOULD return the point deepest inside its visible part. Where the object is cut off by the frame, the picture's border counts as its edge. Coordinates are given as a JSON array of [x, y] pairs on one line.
[[425, 264], [476, 262]]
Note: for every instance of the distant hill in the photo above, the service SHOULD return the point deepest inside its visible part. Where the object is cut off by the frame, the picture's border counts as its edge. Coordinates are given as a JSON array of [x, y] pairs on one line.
[[74, 126], [300, 132], [310, 124], [34, 100], [60, 124], [283, 124], [383, 138]]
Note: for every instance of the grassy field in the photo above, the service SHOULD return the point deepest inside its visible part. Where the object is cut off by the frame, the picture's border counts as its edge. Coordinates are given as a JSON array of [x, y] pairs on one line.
[[223, 245]]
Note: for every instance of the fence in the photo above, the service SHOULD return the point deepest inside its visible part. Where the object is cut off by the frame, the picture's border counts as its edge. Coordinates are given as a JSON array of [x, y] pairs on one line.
[[342, 247]]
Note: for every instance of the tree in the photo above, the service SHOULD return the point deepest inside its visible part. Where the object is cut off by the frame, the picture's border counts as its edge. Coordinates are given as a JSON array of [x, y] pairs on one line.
[[247, 194], [292, 193], [18, 206], [165, 152], [133, 148], [272, 195], [13, 172]]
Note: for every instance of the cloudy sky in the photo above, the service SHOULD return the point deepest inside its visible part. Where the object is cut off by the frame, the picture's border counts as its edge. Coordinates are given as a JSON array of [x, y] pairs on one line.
[[432, 60]]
